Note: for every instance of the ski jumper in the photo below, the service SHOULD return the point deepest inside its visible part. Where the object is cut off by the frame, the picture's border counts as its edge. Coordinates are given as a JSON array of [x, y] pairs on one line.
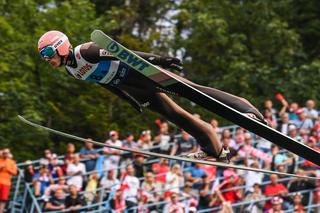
[[90, 63]]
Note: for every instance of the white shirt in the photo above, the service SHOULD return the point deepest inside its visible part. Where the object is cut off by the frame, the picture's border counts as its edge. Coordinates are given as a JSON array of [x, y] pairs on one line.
[[131, 192], [251, 179], [111, 184], [76, 180], [112, 160], [172, 182]]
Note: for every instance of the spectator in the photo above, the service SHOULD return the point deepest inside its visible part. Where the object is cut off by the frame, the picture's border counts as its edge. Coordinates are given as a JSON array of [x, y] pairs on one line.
[[283, 124], [270, 118], [8, 168], [145, 141], [293, 133], [211, 171], [174, 179], [226, 133], [277, 157], [184, 145], [188, 193], [293, 117], [139, 166], [310, 111], [54, 167], [130, 184], [29, 171], [174, 206], [160, 170], [276, 205], [57, 202], [308, 165], [298, 207], [252, 178], [112, 157], [164, 138], [263, 144], [109, 183], [239, 139], [126, 158], [230, 181], [151, 187], [89, 154], [74, 201], [118, 203], [194, 174], [91, 188], [274, 189], [51, 189], [68, 157], [299, 184], [76, 170], [255, 195], [303, 122], [226, 144], [268, 105], [204, 194], [249, 153], [41, 180], [47, 156]]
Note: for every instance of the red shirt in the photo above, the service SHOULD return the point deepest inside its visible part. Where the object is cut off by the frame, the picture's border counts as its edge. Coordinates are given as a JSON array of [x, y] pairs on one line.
[[232, 195], [273, 190], [160, 169]]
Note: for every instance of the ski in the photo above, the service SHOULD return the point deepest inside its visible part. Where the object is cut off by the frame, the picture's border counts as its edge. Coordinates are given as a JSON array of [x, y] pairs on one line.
[[154, 154], [168, 83]]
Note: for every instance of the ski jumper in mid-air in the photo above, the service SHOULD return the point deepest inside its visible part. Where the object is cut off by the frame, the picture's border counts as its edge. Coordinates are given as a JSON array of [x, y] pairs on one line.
[[90, 63]]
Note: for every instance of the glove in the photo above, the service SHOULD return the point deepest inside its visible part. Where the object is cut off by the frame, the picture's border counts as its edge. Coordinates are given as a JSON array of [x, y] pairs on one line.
[[171, 62]]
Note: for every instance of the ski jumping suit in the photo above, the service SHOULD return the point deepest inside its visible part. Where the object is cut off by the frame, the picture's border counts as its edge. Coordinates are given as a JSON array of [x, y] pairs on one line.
[[90, 63]]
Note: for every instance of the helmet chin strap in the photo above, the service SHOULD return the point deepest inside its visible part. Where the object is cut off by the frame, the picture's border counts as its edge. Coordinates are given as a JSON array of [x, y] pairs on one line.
[[69, 60]]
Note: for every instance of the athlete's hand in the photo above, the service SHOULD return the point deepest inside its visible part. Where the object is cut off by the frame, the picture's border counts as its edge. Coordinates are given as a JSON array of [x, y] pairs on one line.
[[171, 62]]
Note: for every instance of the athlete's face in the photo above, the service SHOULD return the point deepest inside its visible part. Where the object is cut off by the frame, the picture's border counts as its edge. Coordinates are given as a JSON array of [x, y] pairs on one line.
[[55, 61]]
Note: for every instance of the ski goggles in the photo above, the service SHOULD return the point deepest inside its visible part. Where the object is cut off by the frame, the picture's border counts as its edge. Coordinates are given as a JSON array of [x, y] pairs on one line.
[[51, 50], [48, 52]]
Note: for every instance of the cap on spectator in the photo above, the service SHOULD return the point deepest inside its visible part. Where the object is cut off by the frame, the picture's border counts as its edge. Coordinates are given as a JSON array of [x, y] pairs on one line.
[[292, 127], [113, 133], [276, 200], [299, 111], [138, 155], [28, 162], [146, 132]]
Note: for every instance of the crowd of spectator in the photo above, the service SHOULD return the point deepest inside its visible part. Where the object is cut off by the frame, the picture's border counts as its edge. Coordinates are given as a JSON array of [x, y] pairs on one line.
[[126, 180]]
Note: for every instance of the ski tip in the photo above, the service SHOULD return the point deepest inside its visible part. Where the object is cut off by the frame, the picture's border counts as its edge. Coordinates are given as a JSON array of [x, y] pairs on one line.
[[23, 119], [96, 33]]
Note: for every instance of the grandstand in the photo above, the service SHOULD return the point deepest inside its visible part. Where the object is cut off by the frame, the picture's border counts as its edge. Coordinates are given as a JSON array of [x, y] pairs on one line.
[[169, 186]]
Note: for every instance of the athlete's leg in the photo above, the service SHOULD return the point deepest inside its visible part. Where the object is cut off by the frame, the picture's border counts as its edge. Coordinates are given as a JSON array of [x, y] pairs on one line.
[[201, 130], [144, 90], [238, 103]]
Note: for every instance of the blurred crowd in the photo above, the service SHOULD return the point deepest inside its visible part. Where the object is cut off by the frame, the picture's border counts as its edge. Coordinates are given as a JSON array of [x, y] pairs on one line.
[[136, 183]]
